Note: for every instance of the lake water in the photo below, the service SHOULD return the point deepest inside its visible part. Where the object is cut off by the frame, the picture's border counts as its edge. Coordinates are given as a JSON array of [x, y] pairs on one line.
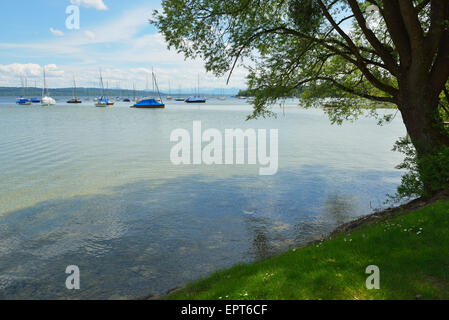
[[95, 187]]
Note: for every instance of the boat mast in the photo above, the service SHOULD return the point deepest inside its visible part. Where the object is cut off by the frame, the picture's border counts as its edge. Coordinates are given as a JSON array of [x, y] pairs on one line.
[[74, 87], [157, 87], [102, 86], [146, 85], [152, 74], [43, 88], [134, 91]]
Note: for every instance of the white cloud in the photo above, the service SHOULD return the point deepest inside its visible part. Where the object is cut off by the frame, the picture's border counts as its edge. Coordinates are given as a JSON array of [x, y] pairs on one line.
[[58, 33], [11, 73], [126, 49], [97, 4], [90, 34]]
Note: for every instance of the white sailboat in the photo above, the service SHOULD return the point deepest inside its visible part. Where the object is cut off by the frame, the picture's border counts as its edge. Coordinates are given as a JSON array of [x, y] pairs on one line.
[[46, 99], [169, 97]]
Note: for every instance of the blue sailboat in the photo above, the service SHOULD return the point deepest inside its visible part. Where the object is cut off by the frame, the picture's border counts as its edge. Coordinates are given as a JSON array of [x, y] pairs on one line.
[[102, 102], [196, 98], [150, 103], [35, 100], [23, 101]]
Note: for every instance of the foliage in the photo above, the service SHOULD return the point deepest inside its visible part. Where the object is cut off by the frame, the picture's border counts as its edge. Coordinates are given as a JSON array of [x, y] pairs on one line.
[[410, 251], [322, 45], [411, 183], [424, 175], [328, 49]]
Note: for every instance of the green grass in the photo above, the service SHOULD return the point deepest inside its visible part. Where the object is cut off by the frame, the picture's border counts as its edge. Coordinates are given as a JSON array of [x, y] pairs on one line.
[[411, 250]]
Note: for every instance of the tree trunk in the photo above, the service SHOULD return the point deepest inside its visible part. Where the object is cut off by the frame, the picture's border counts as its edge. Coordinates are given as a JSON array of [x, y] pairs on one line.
[[419, 109]]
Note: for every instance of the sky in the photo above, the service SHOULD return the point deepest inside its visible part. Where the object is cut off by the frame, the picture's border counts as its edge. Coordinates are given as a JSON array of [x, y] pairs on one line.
[[113, 35]]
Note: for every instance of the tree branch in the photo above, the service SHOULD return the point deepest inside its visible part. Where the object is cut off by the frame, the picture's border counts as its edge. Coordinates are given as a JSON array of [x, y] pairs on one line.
[[378, 46], [360, 63]]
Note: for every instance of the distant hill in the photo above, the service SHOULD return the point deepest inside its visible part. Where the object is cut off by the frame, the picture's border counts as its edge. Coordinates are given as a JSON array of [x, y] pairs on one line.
[[66, 92], [84, 92]]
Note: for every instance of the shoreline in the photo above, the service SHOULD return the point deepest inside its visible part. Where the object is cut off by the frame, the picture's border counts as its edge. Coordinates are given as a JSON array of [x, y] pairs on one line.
[[347, 227]]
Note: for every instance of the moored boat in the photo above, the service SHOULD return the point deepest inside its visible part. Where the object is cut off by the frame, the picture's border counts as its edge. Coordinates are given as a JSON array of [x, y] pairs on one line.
[[196, 98], [151, 103], [46, 99], [23, 101], [148, 103], [75, 98], [169, 97], [102, 102]]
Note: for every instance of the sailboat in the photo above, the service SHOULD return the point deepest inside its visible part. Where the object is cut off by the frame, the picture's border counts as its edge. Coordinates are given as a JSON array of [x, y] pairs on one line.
[[169, 97], [87, 94], [23, 101], [151, 103], [179, 98], [102, 101], [75, 98], [134, 93], [46, 99], [35, 100], [197, 98], [110, 100], [127, 99], [222, 97]]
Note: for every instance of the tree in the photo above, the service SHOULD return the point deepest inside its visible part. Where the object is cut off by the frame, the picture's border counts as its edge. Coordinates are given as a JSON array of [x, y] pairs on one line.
[[327, 48]]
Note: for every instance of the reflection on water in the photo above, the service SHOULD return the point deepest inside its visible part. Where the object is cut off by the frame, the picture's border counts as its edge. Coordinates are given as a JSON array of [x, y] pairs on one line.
[[104, 196], [339, 208]]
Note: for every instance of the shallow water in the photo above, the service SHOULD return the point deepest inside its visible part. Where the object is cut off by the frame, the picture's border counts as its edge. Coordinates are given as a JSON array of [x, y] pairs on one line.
[[95, 188]]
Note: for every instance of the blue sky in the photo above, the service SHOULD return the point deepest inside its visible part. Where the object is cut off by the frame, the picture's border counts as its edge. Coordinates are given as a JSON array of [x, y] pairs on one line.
[[114, 35]]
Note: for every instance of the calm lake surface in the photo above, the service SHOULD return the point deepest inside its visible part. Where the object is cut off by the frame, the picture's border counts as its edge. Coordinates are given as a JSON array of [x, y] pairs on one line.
[[95, 188]]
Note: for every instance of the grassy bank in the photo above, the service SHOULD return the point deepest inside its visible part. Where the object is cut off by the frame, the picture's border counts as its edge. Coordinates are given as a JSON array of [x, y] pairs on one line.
[[411, 250]]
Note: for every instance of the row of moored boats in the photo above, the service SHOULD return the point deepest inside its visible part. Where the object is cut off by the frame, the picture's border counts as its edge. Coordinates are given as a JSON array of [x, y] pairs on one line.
[[103, 101]]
